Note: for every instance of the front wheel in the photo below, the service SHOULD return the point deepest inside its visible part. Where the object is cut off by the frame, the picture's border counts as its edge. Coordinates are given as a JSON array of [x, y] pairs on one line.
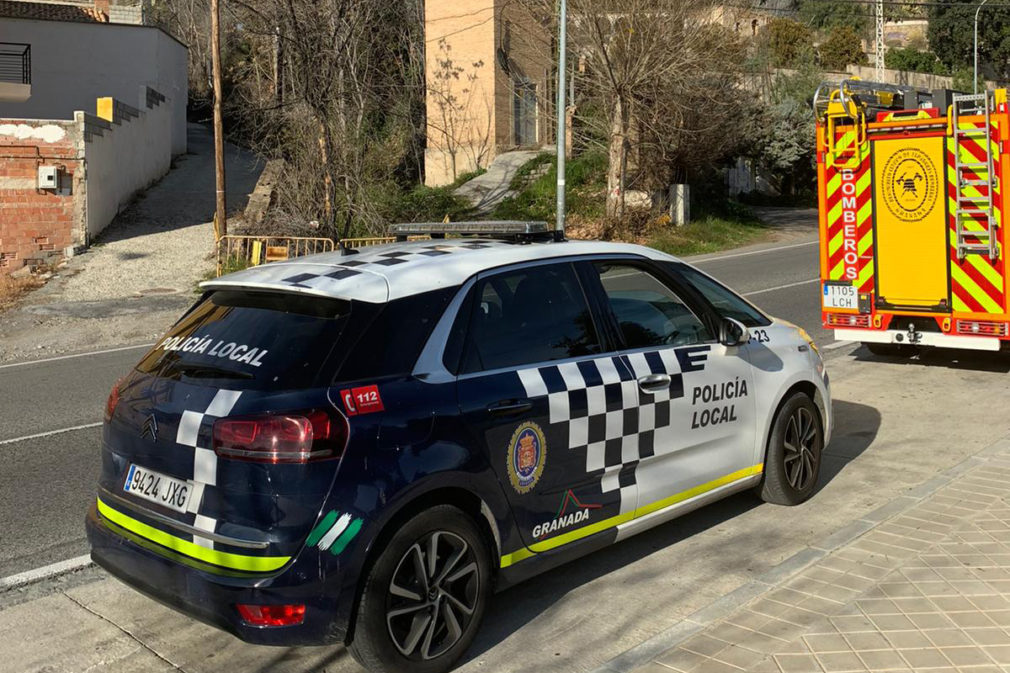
[[425, 596], [793, 459]]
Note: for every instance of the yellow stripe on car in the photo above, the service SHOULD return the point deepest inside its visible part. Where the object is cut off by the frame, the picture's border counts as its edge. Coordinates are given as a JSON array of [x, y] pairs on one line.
[[599, 526], [259, 564]]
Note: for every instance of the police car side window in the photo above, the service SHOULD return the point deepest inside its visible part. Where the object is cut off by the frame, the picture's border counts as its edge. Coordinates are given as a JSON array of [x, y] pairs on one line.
[[537, 314], [647, 311], [726, 303]]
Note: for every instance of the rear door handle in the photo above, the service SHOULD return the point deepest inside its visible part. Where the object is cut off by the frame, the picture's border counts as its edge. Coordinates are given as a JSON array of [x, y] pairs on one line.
[[654, 383], [510, 407]]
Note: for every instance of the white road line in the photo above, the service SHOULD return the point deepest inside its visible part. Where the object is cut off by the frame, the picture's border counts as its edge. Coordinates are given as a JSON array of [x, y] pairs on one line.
[[45, 572], [753, 252], [49, 433], [836, 344], [782, 287], [76, 355]]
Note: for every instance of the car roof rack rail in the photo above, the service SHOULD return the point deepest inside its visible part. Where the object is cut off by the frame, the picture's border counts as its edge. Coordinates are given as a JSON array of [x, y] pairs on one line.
[[509, 230]]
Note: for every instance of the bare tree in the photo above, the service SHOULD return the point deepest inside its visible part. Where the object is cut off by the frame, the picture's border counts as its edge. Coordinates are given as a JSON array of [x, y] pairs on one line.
[[458, 126], [666, 78], [335, 67]]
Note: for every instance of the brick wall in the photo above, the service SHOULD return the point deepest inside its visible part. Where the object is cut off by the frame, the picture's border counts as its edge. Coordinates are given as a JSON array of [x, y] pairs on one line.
[[38, 225], [530, 49], [479, 122]]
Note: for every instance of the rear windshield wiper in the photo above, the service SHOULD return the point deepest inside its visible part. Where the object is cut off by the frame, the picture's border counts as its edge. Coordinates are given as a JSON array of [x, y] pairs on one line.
[[198, 371]]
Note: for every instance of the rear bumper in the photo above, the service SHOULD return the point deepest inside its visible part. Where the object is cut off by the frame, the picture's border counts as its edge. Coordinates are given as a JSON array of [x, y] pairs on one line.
[[210, 597], [925, 339]]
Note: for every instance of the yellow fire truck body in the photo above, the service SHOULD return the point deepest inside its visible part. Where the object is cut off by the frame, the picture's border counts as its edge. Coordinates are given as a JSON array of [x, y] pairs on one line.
[[910, 215]]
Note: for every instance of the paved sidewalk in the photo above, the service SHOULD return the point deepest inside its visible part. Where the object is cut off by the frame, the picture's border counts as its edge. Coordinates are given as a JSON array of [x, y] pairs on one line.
[[927, 588]]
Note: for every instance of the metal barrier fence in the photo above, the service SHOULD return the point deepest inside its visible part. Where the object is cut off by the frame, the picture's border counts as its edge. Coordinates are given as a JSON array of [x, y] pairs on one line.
[[235, 253], [377, 240], [239, 252]]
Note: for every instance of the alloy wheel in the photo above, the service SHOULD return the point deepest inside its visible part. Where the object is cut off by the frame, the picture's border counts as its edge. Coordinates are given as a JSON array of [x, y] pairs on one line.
[[800, 460], [432, 596]]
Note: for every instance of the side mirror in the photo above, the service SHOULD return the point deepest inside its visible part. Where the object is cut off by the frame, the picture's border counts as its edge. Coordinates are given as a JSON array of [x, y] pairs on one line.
[[733, 333]]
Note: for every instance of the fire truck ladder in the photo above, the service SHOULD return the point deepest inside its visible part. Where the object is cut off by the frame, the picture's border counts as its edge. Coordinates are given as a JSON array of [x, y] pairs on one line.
[[970, 207]]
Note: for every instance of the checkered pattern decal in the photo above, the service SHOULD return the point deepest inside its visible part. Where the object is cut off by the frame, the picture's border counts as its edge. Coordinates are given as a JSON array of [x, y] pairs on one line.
[[378, 261], [601, 408], [204, 459]]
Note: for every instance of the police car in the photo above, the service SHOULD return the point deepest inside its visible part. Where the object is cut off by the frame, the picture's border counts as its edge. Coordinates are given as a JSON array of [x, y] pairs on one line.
[[360, 448]]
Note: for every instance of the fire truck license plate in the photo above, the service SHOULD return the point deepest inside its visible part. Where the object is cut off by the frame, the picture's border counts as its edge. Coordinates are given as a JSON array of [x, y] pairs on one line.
[[841, 296]]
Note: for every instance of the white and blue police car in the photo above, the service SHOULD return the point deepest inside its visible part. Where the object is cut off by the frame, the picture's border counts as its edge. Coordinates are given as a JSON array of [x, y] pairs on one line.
[[360, 448]]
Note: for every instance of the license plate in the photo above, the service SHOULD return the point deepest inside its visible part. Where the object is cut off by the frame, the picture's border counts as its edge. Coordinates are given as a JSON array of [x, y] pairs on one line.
[[841, 296], [157, 487]]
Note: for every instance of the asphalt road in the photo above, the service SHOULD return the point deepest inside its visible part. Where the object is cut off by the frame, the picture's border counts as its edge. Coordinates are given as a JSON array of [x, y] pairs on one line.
[[47, 482]]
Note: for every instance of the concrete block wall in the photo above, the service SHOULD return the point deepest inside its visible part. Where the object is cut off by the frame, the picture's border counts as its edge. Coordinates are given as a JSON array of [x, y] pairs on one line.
[[126, 154], [38, 225]]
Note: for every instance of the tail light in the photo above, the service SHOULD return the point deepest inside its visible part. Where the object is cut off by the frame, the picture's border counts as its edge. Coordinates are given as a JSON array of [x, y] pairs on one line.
[[847, 320], [113, 401], [982, 328], [271, 615], [297, 437]]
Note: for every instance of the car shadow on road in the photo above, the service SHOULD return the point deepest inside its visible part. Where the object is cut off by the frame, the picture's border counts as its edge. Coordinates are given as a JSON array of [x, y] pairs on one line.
[[514, 608], [967, 360], [855, 428]]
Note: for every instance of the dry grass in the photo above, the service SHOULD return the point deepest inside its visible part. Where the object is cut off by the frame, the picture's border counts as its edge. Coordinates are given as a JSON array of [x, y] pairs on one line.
[[12, 289]]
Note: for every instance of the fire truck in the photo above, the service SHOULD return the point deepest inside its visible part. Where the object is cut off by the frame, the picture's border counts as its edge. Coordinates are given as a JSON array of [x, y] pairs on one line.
[[911, 207]]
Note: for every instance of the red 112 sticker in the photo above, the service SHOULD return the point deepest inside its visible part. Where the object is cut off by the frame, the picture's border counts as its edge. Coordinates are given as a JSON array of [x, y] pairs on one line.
[[365, 400]]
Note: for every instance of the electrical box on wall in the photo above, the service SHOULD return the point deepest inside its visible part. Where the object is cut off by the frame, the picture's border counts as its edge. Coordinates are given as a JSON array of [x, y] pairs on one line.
[[49, 177]]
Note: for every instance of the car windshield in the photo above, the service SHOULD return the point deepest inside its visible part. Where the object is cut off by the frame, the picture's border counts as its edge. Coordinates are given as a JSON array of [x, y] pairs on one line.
[[727, 303]]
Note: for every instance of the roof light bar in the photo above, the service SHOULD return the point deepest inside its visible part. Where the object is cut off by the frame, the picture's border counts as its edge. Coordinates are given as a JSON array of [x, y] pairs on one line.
[[490, 229]]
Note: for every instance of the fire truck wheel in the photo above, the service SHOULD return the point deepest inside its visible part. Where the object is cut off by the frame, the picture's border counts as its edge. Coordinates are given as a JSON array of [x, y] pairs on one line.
[[793, 460], [889, 350]]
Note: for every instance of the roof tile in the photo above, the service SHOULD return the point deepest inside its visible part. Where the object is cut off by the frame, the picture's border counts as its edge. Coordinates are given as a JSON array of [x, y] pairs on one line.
[[50, 11]]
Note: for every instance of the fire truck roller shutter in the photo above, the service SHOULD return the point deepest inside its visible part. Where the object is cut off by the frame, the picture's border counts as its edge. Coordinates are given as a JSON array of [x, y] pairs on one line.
[[911, 222]]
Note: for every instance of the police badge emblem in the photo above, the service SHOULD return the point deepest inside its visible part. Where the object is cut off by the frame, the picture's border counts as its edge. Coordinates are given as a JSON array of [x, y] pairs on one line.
[[527, 454]]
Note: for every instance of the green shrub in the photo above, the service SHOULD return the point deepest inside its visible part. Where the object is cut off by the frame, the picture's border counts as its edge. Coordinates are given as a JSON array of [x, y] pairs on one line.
[[842, 48], [791, 42], [913, 60]]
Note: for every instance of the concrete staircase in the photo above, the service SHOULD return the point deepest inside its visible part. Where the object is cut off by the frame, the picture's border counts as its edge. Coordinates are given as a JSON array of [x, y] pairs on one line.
[[488, 190]]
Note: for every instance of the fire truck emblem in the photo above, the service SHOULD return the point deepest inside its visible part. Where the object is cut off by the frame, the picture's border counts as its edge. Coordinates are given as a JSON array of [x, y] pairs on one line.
[[910, 184], [526, 457]]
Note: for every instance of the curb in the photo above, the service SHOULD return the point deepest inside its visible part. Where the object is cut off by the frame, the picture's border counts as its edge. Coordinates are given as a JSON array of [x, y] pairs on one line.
[[44, 573], [641, 654]]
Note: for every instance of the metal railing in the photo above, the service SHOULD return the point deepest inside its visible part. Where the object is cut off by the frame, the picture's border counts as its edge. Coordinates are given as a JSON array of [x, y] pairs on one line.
[[15, 62], [377, 240], [235, 253]]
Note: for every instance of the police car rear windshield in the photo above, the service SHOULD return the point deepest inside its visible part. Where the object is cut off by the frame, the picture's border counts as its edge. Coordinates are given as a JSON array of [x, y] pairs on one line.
[[252, 340]]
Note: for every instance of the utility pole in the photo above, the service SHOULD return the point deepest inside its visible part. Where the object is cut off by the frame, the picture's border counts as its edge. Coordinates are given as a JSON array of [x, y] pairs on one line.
[[974, 86], [880, 42], [278, 68], [221, 207], [559, 228]]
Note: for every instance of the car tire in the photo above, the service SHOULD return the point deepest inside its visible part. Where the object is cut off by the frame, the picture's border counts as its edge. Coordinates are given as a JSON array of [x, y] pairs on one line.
[[416, 617], [793, 459]]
